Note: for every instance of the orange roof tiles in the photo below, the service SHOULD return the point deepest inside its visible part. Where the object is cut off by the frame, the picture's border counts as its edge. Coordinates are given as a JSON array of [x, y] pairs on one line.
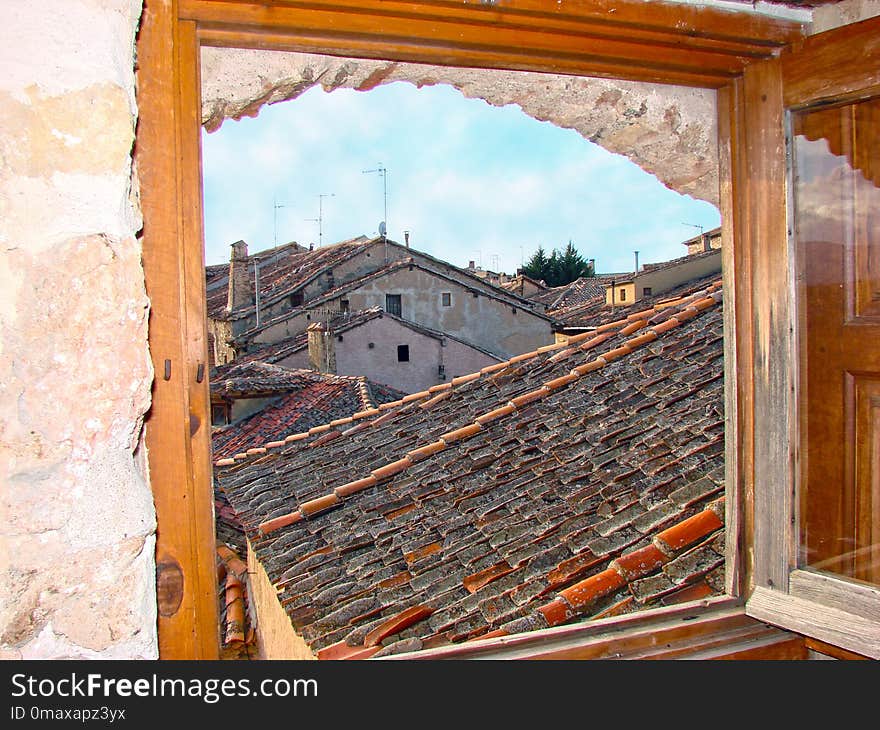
[[596, 497]]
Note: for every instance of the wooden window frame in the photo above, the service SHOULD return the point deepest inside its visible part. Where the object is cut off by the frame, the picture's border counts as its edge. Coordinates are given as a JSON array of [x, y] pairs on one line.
[[838, 64], [674, 43]]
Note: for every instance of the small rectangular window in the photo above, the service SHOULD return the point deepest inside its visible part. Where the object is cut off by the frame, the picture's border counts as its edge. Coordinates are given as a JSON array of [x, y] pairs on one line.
[[296, 299], [403, 353], [446, 299], [392, 304], [343, 305], [623, 295], [646, 291], [219, 414]]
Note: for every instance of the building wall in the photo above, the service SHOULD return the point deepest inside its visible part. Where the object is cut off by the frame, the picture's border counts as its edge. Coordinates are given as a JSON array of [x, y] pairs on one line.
[[275, 635], [77, 566], [296, 360], [379, 363], [620, 295], [488, 323], [664, 279], [360, 264], [221, 332]]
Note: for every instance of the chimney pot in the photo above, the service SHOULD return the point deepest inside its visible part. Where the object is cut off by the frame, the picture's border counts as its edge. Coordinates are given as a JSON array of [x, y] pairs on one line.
[[240, 288]]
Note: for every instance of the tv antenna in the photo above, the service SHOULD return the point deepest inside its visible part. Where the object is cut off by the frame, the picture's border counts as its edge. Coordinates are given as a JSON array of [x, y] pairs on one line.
[[320, 218], [383, 227], [276, 205], [694, 225]]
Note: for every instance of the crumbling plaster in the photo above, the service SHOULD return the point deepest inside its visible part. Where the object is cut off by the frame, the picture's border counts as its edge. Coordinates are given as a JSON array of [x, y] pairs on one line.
[[669, 131], [77, 522]]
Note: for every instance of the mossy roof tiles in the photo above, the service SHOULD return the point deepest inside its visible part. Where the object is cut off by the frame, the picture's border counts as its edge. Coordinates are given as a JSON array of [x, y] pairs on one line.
[[525, 514]]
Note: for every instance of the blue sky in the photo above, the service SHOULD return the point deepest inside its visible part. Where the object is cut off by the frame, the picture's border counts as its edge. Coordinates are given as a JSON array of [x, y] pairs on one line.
[[471, 182]]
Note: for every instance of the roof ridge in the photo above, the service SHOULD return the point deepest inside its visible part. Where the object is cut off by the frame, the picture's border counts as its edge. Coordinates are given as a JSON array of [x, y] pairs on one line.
[[691, 307], [431, 394]]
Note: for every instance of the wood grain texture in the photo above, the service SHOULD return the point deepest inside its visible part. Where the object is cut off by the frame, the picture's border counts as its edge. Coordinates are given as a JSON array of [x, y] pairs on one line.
[[833, 64], [188, 627], [710, 633], [772, 356], [738, 398], [859, 599], [654, 42], [831, 625]]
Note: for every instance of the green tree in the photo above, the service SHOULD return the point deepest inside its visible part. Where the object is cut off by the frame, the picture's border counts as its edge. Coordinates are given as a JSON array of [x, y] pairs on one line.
[[558, 269], [536, 268], [572, 265]]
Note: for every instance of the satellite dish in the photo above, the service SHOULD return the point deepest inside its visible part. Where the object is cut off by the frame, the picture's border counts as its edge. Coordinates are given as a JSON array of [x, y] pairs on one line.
[[381, 228]]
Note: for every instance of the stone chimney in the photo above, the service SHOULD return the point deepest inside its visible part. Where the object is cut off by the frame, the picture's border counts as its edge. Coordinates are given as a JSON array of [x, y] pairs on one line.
[[241, 288], [322, 353]]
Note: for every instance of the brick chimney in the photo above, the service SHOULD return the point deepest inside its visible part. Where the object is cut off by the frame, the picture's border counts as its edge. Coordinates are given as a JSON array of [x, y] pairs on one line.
[[241, 288], [322, 353]]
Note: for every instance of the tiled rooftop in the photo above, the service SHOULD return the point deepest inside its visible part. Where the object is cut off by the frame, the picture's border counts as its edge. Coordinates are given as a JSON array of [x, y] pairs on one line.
[[284, 269], [576, 481], [309, 399], [581, 290], [594, 312], [254, 376]]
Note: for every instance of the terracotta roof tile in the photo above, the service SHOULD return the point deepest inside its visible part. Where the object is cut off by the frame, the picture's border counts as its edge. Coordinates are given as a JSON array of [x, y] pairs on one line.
[[458, 434], [573, 491], [397, 624], [389, 470]]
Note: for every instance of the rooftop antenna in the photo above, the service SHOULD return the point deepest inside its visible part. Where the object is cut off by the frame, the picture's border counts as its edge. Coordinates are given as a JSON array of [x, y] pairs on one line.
[[276, 205], [384, 226], [257, 287], [694, 225], [320, 218]]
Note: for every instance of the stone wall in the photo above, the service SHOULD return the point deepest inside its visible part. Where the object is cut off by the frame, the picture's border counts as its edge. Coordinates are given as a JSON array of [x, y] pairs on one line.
[[77, 522]]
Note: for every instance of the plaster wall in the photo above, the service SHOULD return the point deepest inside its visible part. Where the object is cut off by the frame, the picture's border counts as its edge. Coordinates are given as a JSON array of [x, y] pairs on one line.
[[299, 359], [276, 637], [77, 522], [379, 363], [360, 264], [662, 280], [826, 17], [489, 323]]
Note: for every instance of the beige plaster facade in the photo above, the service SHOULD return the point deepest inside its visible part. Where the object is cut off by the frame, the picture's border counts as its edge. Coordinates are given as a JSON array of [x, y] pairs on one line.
[[372, 349]]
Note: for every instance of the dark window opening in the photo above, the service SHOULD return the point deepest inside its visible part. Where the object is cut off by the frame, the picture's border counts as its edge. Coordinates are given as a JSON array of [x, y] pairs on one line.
[[623, 295], [446, 299], [343, 305], [296, 299], [646, 291], [392, 304], [403, 353], [219, 414]]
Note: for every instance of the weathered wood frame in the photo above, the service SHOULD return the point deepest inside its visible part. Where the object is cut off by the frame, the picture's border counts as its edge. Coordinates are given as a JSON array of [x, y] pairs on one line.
[[628, 39], [840, 64]]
